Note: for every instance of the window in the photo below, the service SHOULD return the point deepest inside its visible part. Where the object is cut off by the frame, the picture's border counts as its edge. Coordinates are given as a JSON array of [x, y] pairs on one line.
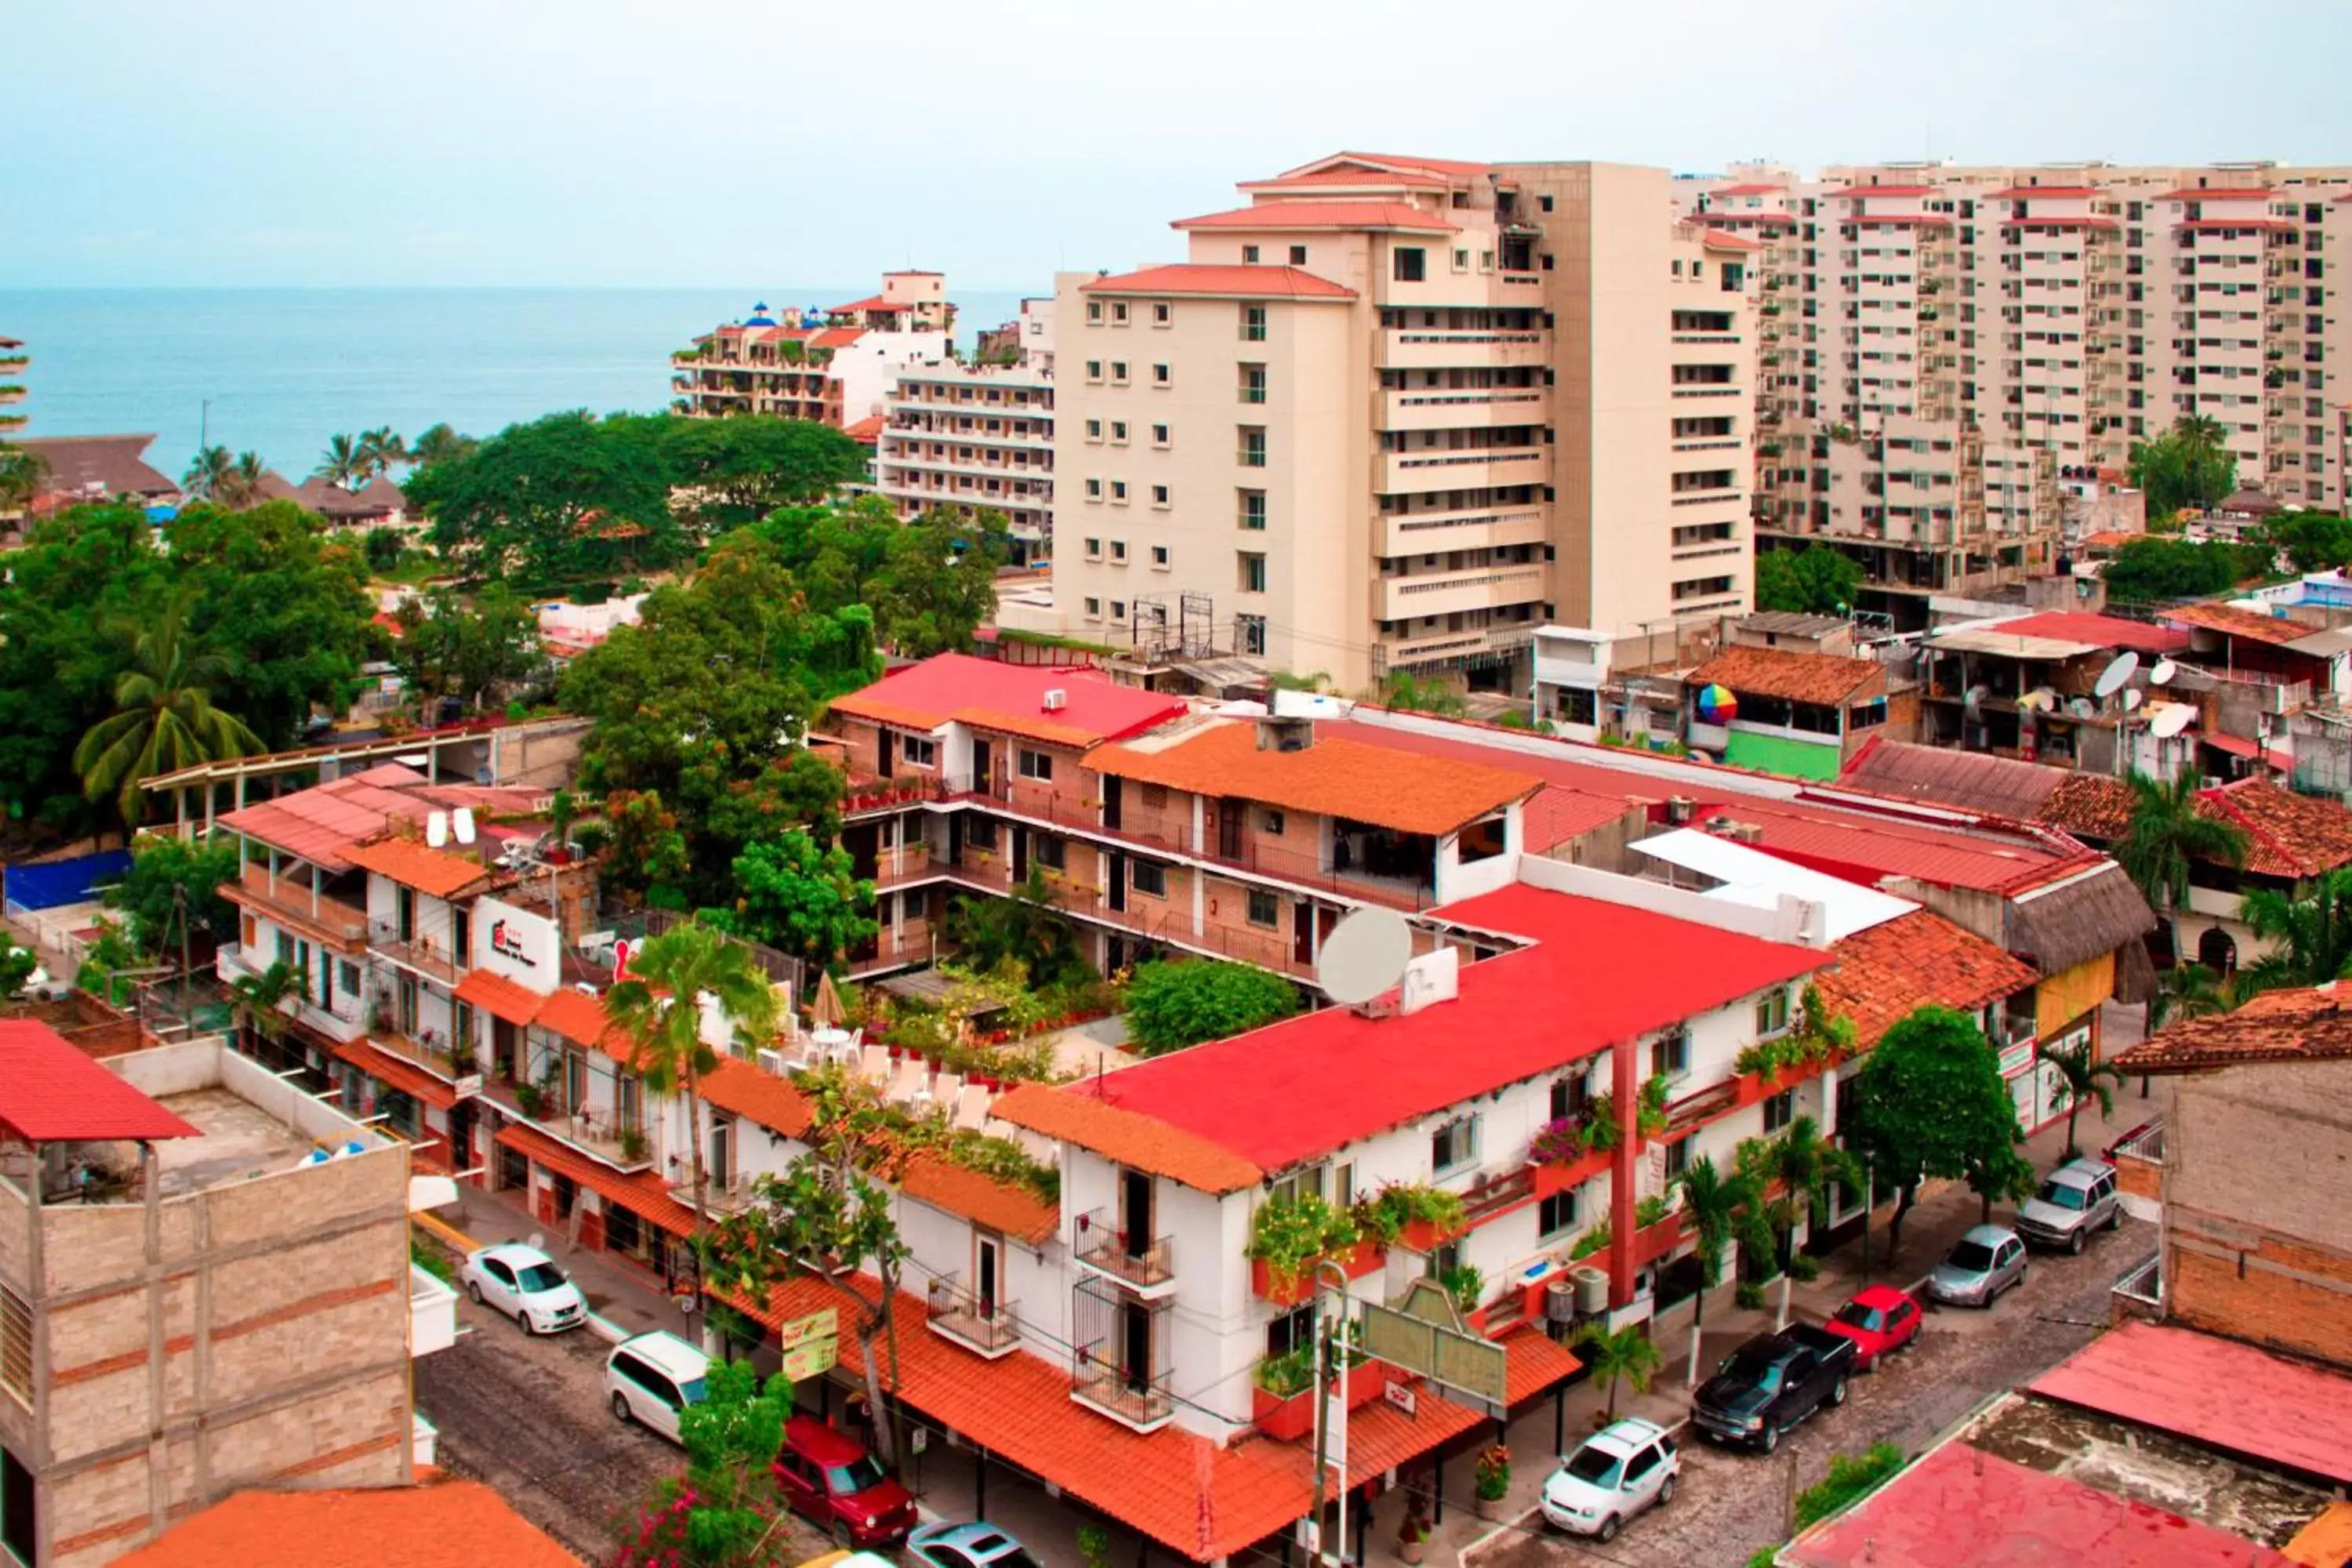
[[1265, 909], [1162, 314], [1253, 572], [1271, 824], [1410, 263], [1160, 552], [16, 1349], [347, 978], [1118, 546], [1253, 511], [1779, 1110], [1161, 376], [1094, 429], [980, 833], [1118, 609], [1159, 498], [1094, 492], [1678, 1158], [1460, 260], [1051, 853], [1292, 1331], [1253, 383], [1453, 1145], [1094, 370], [1037, 766], [1298, 255], [1150, 877], [1773, 1012], [1119, 313], [1094, 546], [1094, 609], [1670, 1054], [1094, 310], [1118, 431], [1304, 1183], [1556, 1216], [1544, 202], [20, 1527], [918, 750], [1253, 324], [1249, 254], [1159, 435], [1118, 371], [1253, 446], [1249, 634], [1119, 498]]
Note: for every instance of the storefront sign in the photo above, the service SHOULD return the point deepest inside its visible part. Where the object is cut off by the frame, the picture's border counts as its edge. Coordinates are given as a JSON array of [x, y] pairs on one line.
[[469, 1086], [515, 944], [811, 1358], [2017, 1059], [1401, 1395], [825, 1325]]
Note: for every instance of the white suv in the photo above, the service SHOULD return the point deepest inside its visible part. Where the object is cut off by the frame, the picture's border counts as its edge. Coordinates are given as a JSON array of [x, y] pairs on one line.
[[651, 1379], [1619, 1471]]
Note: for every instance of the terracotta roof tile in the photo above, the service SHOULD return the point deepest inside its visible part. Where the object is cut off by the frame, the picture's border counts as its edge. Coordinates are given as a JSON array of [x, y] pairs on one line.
[[644, 1195], [2274, 630], [1369, 179], [500, 997], [748, 1091], [990, 695], [445, 1524], [1241, 282], [2099, 631], [1826, 678], [1533, 1362], [50, 1092], [1914, 961], [405, 1076], [1283, 216], [985, 1201], [2290, 835], [2093, 804], [582, 1020], [1337, 776], [1454, 166], [420, 865], [1127, 1137], [1717, 240], [2307, 1025]]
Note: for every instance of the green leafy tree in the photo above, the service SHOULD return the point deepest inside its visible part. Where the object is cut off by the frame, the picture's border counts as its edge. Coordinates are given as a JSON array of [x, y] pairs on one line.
[[1027, 928], [1404, 690], [1930, 1103], [929, 582], [384, 548], [1621, 1355], [2080, 1077], [1801, 1164], [2155, 568], [173, 890], [2186, 991], [800, 790], [646, 849], [659, 1008], [2314, 542], [739, 470], [21, 476], [800, 898], [563, 498], [2168, 832], [343, 463], [379, 451], [1718, 1211], [1815, 581], [727, 1511], [2187, 466], [16, 965], [1172, 1004], [163, 719], [258, 1001], [453, 646], [2309, 931], [440, 444], [240, 487]]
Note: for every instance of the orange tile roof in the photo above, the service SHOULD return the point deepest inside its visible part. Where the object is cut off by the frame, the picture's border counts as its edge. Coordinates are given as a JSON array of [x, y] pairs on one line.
[[644, 1195], [445, 1524], [1365, 178], [1885, 973], [1238, 282], [420, 865], [746, 1091], [1716, 239], [1826, 678], [400, 1073], [2095, 804], [1427, 165], [2289, 834], [1128, 1138], [1335, 776], [582, 1020], [2305, 1025], [1532, 1363], [500, 997], [1749, 190], [2274, 630], [992, 1204], [2216, 193], [1286, 216], [990, 695], [1185, 1491]]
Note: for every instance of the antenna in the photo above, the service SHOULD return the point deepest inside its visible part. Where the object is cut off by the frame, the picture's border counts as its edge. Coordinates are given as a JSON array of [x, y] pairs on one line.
[[1364, 955], [2171, 720], [463, 822], [2163, 672], [436, 828], [2119, 670]]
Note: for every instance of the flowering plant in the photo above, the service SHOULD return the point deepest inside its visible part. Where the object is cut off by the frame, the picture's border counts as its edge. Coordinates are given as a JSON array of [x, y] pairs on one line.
[[1492, 1476]]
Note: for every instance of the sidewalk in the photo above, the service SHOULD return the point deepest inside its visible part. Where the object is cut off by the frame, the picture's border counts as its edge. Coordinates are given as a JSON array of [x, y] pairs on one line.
[[631, 1302]]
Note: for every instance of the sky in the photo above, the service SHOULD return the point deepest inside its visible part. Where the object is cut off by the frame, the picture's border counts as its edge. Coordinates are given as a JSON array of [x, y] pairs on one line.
[[691, 142]]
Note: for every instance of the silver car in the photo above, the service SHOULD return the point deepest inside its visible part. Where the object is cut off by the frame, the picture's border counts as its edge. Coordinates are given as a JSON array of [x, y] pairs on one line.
[[1987, 1261], [2076, 1199]]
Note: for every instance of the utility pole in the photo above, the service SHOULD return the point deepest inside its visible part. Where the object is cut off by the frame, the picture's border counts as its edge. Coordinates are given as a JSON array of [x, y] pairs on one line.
[[1321, 1408]]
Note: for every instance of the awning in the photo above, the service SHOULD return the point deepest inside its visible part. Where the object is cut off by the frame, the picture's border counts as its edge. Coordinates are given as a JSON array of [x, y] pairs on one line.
[[394, 1072], [642, 1195], [1534, 1362], [2238, 746], [499, 997]]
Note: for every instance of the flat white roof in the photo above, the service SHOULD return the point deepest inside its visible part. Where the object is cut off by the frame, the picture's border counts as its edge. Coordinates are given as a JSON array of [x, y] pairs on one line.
[[1752, 877]]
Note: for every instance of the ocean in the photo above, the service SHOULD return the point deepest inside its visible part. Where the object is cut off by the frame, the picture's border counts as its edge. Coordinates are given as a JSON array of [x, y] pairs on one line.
[[283, 369]]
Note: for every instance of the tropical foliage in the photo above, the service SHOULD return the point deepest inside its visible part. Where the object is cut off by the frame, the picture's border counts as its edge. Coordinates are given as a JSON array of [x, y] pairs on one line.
[[462, 646], [2187, 466], [1171, 1003], [2186, 991], [1930, 1103], [163, 717], [801, 898], [1623, 1354], [726, 1511], [2080, 1077], [1026, 929], [2168, 831], [2154, 568], [1817, 580], [2309, 931], [173, 887], [1798, 1166]]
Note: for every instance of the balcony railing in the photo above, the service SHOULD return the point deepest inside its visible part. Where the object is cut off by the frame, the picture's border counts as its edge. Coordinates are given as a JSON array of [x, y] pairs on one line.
[[294, 899], [426, 955], [1106, 1246], [991, 1328], [597, 1135], [1102, 1385]]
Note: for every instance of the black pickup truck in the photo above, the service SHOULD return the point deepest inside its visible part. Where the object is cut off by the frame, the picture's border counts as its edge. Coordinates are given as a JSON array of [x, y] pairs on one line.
[[1771, 1383]]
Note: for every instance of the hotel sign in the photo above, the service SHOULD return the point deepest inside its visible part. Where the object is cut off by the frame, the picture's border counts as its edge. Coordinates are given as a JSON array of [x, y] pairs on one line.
[[515, 944]]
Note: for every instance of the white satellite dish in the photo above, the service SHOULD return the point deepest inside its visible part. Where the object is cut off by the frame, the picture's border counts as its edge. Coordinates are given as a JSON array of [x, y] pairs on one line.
[[2119, 670], [2163, 673], [1364, 955], [2170, 721], [462, 821], [436, 828], [2133, 697]]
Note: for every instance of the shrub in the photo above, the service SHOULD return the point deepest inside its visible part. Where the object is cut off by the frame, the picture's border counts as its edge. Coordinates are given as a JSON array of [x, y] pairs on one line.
[[1174, 1003], [1749, 1295], [1852, 1477], [1804, 1268]]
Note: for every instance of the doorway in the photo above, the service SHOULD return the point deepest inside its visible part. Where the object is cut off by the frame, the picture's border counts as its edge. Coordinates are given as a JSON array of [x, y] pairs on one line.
[[1110, 801], [1135, 1346], [1135, 1207], [979, 750], [984, 1273], [1229, 829]]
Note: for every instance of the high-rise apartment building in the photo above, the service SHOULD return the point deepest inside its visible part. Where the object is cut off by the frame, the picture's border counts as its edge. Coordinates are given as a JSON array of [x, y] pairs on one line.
[[979, 435], [1397, 413], [831, 363], [1941, 349]]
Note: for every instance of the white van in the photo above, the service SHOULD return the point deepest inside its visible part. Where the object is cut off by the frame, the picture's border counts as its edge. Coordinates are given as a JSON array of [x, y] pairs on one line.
[[651, 1379]]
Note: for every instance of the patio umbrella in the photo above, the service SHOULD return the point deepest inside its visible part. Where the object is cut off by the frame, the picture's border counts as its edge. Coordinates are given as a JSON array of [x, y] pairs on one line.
[[826, 1009]]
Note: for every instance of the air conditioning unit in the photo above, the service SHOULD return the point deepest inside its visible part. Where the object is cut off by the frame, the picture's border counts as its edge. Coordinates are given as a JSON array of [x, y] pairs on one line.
[[1056, 699], [772, 1061]]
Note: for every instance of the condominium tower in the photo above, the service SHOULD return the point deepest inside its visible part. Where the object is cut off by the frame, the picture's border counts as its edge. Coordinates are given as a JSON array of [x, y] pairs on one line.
[[979, 435], [1942, 348], [1397, 413], [831, 363]]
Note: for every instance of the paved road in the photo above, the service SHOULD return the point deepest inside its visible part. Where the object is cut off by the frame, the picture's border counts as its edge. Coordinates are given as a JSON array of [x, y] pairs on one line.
[[1729, 1503]]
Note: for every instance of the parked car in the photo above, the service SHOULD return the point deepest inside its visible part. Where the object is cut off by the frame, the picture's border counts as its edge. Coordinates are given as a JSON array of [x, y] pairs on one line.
[[968, 1546], [829, 1476], [1614, 1475], [652, 1378], [1880, 1320], [2074, 1200], [1985, 1262], [525, 1284], [1771, 1383]]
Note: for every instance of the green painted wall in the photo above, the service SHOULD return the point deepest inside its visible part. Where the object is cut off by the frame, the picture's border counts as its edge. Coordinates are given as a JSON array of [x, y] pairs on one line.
[[1779, 754]]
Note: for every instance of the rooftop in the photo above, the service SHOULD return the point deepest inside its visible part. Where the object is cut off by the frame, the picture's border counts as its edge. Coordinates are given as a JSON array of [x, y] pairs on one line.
[[2289, 834], [1455, 168], [419, 866], [2310, 1024], [233, 1139], [2100, 631], [2275, 631], [1827, 680], [1286, 216], [1241, 282], [321, 822], [1884, 972], [108, 465], [989, 695], [50, 1092], [444, 1524]]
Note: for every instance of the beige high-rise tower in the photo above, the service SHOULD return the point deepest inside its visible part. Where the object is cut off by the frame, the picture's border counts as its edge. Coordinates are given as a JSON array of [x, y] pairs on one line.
[[1397, 413]]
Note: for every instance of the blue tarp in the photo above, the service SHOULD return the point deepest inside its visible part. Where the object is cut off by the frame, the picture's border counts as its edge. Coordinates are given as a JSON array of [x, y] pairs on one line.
[[55, 882]]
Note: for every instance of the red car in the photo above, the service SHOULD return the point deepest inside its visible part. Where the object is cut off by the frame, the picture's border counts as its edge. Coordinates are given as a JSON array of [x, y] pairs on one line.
[[830, 1477], [1880, 1320]]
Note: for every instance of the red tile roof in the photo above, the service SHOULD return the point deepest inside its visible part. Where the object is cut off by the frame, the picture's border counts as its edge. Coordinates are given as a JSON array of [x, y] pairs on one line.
[[320, 823], [1559, 814], [748, 1091], [1888, 191], [644, 1195], [2216, 193], [1128, 1138], [1962, 1507], [420, 865], [445, 1524], [2307, 1023], [1235, 281], [2214, 1392], [1453, 166], [1716, 239], [2291, 835], [1335, 776], [1885, 973], [871, 303], [405, 1076], [1369, 179], [1284, 216], [2275, 631], [50, 1092], [1825, 679], [1749, 191], [2020, 193], [865, 432], [1607, 974], [2091, 803], [990, 695], [582, 1020], [2099, 631], [500, 997], [986, 1202], [1532, 1363]]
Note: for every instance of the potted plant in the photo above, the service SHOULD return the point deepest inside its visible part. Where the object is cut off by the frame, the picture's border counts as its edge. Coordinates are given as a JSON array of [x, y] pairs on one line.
[[1491, 1480], [531, 1098], [632, 1144], [1412, 1534]]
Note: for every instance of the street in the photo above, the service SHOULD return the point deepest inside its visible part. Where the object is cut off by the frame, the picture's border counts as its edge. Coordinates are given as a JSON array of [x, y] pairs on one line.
[[1729, 1503]]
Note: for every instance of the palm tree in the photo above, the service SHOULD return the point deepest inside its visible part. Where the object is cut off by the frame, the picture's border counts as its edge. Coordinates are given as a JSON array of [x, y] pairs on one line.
[[2186, 991], [163, 719], [439, 444], [341, 463], [255, 999], [21, 473], [2082, 1077], [380, 450], [1626, 1352], [2169, 829], [1801, 1164], [239, 485], [2310, 933], [2200, 438], [659, 1007], [206, 472]]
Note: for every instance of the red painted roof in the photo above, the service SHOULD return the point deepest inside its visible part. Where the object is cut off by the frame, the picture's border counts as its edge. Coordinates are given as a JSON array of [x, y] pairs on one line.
[[1606, 973], [1888, 191], [320, 823], [1239, 281], [2099, 631], [500, 997], [1283, 216], [990, 695], [399, 1073], [1391, 161], [582, 1020], [866, 432], [2214, 1392], [1719, 240], [50, 1092], [444, 1524], [1365, 178], [871, 303], [1962, 1507]]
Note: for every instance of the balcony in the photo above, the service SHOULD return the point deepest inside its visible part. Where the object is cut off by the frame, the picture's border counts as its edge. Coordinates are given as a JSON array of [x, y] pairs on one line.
[[1142, 1404], [989, 1330], [1448, 593], [1430, 349], [906, 863], [1433, 469], [429, 956], [1145, 1265], [1435, 532], [1444, 408], [293, 901], [599, 1136], [428, 1050]]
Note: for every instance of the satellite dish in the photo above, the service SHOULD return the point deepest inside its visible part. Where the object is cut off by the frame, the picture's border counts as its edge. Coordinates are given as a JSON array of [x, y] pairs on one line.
[[2133, 697], [2170, 721], [2119, 670], [2082, 708], [1364, 955], [2162, 674], [462, 821], [436, 828]]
